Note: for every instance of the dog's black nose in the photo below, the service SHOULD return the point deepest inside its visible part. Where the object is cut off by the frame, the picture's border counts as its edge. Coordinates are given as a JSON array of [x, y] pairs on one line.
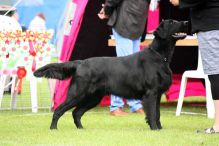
[[185, 27]]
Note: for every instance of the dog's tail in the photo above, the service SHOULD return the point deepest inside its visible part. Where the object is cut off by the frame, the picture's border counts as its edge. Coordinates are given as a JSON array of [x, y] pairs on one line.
[[59, 71]]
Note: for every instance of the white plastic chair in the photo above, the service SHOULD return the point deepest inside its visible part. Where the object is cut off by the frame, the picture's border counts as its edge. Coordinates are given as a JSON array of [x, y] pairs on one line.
[[196, 74], [3, 85]]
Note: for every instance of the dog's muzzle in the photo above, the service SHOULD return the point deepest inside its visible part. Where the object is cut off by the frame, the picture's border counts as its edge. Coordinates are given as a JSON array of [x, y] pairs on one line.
[[183, 31]]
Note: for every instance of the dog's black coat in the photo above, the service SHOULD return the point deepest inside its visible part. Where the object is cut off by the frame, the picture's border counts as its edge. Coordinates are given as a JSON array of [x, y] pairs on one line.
[[144, 75]]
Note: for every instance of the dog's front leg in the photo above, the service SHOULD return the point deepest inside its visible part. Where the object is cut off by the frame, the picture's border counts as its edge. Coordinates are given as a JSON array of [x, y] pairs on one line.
[[149, 104], [158, 111]]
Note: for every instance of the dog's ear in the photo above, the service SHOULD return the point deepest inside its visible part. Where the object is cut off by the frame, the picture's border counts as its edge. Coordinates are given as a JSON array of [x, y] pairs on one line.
[[160, 31]]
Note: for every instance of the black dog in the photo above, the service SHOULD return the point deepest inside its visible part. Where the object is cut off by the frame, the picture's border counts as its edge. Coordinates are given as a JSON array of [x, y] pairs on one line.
[[144, 75]]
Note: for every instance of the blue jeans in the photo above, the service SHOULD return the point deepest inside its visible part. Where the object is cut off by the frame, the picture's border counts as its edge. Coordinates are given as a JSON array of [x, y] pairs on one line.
[[124, 47]]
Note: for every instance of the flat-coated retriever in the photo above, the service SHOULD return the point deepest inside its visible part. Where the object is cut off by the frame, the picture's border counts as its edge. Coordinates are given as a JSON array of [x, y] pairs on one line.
[[144, 75]]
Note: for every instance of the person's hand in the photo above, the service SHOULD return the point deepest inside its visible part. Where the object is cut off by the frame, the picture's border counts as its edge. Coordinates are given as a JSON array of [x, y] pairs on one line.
[[102, 14], [175, 2]]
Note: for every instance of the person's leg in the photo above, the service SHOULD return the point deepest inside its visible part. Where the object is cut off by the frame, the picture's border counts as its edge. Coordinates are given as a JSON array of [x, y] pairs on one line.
[[214, 80], [136, 45], [124, 46], [209, 49], [122, 49], [116, 102], [216, 121], [135, 104]]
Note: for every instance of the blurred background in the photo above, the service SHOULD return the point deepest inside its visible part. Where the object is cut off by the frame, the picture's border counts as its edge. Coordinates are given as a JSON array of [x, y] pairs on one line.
[[27, 9]]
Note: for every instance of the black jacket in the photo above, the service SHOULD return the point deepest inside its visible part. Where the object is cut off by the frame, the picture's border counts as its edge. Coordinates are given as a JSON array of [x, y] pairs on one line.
[[204, 14], [127, 17]]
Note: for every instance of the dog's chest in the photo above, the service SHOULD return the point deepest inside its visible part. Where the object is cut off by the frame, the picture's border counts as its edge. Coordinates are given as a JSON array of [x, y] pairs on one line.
[[165, 83]]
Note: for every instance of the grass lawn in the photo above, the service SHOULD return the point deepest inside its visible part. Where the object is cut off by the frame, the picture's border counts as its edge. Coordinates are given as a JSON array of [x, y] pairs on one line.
[[22, 128]]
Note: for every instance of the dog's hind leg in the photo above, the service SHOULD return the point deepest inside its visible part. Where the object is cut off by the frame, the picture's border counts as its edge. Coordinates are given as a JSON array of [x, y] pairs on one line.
[[68, 104], [158, 111], [74, 96], [149, 104], [87, 103]]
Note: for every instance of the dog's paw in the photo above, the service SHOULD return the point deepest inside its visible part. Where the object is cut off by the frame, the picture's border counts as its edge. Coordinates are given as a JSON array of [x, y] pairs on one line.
[[53, 127], [159, 125], [153, 126], [80, 127]]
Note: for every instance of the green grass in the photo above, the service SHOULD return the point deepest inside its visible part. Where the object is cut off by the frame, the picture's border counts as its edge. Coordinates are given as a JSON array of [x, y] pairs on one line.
[[20, 128]]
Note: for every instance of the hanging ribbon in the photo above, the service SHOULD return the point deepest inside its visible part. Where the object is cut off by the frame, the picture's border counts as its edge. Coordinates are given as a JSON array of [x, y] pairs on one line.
[[33, 65], [21, 73], [32, 53]]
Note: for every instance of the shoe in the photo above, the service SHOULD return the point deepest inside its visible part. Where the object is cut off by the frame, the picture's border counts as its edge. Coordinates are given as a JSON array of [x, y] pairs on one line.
[[140, 111], [118, 112], [208, 131]]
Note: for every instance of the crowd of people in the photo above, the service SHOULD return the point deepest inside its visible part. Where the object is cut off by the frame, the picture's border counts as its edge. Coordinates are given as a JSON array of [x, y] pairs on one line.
[[38, 23]]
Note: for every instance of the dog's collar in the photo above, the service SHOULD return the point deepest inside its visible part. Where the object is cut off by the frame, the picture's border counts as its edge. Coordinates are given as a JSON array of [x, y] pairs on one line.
[[163, 58]]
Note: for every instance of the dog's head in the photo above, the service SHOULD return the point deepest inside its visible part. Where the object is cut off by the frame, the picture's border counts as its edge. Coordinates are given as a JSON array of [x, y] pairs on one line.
[[172, 29]]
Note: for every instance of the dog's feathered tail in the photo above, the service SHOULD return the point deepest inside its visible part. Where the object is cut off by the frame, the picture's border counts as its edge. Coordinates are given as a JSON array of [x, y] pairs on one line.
[[59, 71]]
